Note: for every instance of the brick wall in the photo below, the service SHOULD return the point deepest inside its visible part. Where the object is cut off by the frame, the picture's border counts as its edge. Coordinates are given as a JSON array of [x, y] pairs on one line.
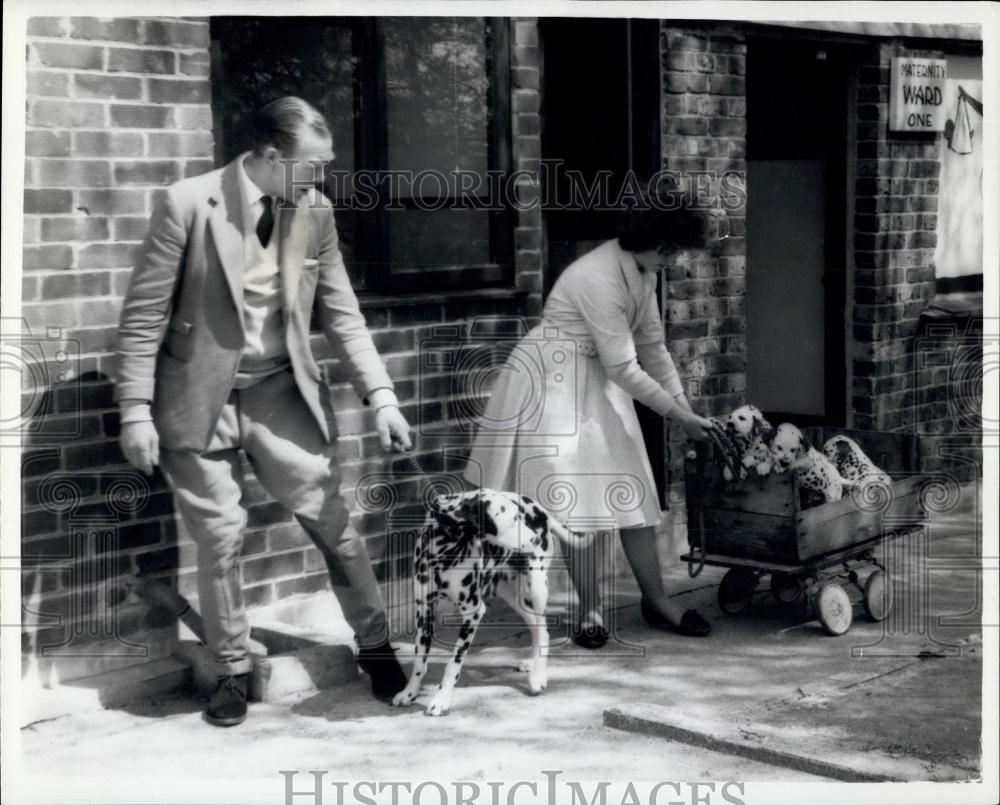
[[900, 379], [704, 130], [895, 221], [118, 109], [527, 145]]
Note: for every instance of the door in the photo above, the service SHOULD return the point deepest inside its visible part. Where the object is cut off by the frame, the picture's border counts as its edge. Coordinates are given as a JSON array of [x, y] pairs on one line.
[[796, 229]]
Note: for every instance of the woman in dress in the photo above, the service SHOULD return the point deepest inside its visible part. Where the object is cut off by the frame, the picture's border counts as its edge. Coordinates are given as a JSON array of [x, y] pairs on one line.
[[560, 425]]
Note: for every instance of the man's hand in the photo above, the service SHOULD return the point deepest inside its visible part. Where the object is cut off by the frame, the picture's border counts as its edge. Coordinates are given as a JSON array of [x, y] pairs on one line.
[[141, 445], [393, 429]]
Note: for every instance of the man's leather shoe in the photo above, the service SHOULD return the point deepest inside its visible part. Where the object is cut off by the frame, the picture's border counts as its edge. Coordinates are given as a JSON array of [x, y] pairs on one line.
[[228, 705], [380, 663]]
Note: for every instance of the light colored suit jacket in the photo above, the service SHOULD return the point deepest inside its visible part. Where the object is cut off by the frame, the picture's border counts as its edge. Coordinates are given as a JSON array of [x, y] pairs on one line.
[[181, 330]]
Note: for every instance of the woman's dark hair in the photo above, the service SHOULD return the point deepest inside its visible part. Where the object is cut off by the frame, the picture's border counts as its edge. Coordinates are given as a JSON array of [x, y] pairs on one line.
[[282, 122], [656, 228]]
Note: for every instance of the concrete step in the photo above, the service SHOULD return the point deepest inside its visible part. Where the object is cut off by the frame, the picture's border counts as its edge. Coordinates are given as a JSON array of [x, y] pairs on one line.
[[307, 669], [85, 656], [116, 688], [110, 689], [299, 646]]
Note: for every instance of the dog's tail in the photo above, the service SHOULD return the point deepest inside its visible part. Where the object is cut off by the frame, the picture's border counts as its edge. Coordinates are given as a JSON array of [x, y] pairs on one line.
[[566, 534]]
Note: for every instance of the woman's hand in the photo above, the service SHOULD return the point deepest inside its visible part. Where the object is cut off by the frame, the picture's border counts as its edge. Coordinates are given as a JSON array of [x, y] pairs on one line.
[[696, 427]]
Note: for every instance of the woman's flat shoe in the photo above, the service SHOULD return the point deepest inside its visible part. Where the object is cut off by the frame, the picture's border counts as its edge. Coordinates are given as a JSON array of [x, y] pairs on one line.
[[592, 637], [692, 624]]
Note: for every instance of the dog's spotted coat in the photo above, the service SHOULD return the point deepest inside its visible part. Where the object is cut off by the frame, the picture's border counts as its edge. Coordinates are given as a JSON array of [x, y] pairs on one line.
[[751, 433], [474, 546], [815, 473], [852, 463]]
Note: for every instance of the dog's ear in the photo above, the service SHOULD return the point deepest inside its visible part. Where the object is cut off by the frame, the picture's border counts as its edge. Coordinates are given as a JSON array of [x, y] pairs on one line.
[[843, 449], [804, 445], [471, 511], [768, 436]]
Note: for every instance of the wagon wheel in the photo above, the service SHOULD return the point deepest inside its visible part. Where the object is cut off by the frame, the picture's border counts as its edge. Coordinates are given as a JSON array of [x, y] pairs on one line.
[[736, 590], [786, 588], [877, 596], [834, 608]]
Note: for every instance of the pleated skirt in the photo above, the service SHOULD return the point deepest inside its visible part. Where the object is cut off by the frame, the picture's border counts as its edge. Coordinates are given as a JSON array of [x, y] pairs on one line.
[[558, 430]]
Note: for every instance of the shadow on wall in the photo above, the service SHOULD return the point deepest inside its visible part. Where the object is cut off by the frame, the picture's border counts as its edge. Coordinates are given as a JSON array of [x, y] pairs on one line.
[[90, 522]]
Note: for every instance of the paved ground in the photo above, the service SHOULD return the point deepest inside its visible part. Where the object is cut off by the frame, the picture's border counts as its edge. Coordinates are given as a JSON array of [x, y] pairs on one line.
[[867, 690]]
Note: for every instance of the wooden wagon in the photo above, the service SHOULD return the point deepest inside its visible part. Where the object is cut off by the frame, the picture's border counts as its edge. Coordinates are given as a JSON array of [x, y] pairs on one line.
[[759, 527]]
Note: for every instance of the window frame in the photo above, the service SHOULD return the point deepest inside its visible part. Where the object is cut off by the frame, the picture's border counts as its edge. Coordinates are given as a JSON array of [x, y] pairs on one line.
[[369, 231], [372, 153]]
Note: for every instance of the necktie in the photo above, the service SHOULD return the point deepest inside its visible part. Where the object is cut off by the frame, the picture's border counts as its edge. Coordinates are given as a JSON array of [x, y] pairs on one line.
[[266, 222]]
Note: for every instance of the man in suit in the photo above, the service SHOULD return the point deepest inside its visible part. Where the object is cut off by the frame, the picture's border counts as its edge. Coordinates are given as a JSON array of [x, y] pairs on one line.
[[214, 358]]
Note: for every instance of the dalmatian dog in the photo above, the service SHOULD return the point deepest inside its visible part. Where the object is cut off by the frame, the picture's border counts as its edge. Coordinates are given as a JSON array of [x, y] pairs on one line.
[[852, 463], [472, 547], [752, 435], [816, 474]]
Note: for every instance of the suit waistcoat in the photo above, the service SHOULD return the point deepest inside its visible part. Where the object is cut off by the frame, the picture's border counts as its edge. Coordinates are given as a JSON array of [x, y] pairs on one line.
[[264, 350]]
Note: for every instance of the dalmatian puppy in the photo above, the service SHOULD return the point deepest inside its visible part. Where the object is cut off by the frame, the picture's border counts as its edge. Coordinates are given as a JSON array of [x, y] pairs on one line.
[[852, 463], [792, 450], [752, 434], [472, 547]]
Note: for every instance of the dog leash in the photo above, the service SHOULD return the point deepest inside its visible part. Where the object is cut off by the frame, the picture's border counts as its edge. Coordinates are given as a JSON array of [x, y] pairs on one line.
[[411, 463], [692, 571], [716, 432], [700, 518], [722, 449]]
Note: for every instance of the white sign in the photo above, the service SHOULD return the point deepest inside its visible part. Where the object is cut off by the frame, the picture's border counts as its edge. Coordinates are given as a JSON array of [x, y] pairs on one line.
[[916, 94]]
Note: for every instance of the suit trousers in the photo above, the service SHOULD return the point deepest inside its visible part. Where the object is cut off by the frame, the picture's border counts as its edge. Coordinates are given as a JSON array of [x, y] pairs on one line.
[[271, 423]]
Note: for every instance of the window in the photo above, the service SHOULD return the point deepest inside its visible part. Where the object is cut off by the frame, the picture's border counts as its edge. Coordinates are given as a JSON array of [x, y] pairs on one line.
[[419, 109], [958, 256]]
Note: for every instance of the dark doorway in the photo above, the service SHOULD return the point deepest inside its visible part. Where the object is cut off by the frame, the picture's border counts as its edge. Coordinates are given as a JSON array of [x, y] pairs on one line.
[[796, 229], [601, 122], [601, 108]]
